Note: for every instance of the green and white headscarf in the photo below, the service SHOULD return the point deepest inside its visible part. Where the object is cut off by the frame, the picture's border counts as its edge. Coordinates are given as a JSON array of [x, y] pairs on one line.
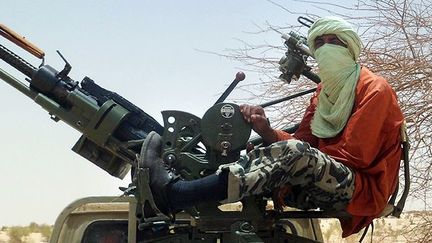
[[339, 72]]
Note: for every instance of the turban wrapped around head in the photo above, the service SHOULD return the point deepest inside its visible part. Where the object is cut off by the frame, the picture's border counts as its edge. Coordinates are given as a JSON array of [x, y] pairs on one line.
[[339, 71], [341, 28]]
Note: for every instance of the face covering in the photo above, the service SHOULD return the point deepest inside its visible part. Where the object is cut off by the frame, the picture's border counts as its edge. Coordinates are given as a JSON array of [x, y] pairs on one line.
[[339, 73]]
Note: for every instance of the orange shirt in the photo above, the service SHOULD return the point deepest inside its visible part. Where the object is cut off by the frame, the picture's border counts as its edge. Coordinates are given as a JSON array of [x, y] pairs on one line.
[[369, 144]]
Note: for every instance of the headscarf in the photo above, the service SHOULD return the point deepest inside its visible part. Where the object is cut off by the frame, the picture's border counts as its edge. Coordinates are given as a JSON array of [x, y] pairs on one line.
[[341, 28], [339, 72]]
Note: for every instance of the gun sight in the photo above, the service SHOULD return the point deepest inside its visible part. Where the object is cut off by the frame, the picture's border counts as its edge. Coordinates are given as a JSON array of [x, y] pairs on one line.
[[294, 61], [67, 68], [297, 42]]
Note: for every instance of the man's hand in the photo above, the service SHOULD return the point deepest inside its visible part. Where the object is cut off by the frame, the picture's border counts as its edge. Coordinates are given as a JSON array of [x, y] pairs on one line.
[[255, 115]]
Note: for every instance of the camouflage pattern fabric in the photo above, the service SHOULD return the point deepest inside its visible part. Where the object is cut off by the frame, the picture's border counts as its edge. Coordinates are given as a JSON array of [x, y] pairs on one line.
[[317, 180]]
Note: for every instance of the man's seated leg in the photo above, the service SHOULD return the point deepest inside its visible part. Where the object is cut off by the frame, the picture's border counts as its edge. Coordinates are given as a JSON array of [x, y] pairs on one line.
[[318, 181], [327, 184], [170, 194], [261, 171]]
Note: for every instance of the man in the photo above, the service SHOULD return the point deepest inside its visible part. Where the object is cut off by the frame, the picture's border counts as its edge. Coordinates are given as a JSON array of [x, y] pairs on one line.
[[344, 156]]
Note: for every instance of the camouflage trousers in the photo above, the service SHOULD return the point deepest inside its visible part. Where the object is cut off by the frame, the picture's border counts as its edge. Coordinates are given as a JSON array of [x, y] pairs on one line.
[[316, 180]]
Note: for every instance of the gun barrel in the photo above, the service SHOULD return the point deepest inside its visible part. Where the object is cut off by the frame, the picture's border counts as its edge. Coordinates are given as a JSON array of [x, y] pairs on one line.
[[17, 62], [20, 86]]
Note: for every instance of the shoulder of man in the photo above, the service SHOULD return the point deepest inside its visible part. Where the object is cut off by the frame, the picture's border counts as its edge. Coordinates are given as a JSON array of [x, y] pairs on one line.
[[372, 82]]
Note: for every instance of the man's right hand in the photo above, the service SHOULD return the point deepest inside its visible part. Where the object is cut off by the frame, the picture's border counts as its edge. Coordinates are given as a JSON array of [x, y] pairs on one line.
[[255, 115]]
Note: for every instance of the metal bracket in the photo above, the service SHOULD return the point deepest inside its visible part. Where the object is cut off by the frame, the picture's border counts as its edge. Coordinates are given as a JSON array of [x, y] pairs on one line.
[[146, 211]]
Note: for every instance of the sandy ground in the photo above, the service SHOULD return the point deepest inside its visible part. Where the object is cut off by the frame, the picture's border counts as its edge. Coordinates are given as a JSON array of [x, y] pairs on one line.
[[386, 230], [4, 238], [32, 238]]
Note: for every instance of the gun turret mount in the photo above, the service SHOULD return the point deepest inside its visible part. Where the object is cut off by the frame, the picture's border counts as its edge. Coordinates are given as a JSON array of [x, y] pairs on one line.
[[224, 130]]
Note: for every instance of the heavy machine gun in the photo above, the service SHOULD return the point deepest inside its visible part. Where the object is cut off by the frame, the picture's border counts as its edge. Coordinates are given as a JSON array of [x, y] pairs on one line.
[[109, 123]]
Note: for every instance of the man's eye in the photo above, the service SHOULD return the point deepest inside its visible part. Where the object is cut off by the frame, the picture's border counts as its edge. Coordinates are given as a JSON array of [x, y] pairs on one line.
[[336, 41], [319, 42]]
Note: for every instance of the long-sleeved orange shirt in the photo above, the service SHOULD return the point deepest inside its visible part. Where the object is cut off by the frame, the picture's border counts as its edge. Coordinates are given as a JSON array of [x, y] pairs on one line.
[[369, 144]]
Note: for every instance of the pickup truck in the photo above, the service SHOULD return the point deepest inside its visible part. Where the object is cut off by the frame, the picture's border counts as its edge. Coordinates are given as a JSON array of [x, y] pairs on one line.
[[111, 219]]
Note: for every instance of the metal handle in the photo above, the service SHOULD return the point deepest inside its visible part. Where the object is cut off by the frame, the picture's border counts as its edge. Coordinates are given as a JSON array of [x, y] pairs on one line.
[[21, 41]]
